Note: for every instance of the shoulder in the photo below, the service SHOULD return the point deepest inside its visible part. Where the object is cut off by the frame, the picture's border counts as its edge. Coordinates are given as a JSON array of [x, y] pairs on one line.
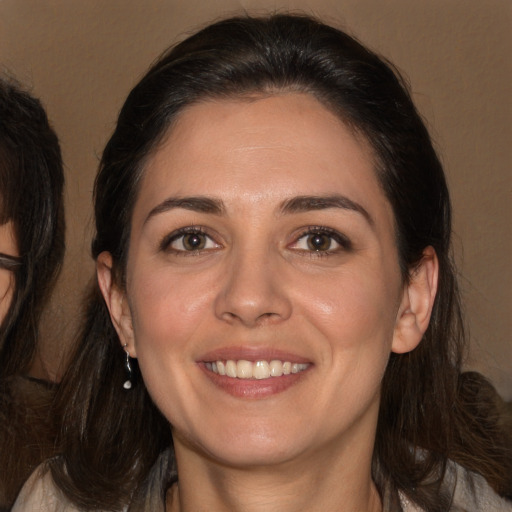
[[472, 493], [40, 494], [469, 492]]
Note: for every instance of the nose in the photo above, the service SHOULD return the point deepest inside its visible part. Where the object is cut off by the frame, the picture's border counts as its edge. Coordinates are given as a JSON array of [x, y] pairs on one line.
[[253, 293]]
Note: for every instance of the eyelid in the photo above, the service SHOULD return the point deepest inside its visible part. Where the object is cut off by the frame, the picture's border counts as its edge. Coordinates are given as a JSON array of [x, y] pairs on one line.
[[167, 240], [342, 240]]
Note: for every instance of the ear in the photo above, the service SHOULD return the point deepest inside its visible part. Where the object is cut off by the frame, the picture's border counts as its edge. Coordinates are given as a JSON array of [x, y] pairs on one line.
[[417, 302], [117, 304]]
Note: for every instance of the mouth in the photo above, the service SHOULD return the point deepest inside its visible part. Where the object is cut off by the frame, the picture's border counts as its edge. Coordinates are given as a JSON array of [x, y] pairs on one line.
[[254, 372], [258, 370]]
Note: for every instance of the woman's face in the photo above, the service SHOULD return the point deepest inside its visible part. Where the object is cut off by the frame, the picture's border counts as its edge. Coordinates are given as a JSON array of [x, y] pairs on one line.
[[8, 246], [262, 246]]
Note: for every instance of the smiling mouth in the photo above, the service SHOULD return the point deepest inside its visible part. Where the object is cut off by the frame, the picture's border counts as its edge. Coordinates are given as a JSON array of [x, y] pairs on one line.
[[243, 369]]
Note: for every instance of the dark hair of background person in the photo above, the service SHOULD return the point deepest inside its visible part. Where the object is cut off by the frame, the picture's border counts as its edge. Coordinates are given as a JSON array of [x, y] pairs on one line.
[[31, 197], [430, 411]]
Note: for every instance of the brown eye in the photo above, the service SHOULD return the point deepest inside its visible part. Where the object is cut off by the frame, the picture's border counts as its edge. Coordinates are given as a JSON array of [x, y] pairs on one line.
[[188, 240], [322, 241], [319, 242], [194, 242]]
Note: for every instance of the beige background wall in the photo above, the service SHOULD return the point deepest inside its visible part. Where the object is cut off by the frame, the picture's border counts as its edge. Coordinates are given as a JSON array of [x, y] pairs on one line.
[[81, 57]]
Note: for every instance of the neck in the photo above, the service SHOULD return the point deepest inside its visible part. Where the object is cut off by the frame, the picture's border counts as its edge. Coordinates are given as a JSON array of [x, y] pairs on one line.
[[316, 483]]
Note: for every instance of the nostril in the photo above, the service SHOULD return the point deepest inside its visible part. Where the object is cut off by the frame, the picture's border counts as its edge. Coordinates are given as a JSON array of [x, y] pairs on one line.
[[266, 315], [267, 318], [249, 320]]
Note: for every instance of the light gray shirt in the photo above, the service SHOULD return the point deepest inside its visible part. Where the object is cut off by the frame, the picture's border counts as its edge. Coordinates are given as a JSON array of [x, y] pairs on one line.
[[40, 494]]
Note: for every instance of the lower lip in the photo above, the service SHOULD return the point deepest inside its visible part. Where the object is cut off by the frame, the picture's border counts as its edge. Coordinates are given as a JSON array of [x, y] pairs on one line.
[[254, 388]]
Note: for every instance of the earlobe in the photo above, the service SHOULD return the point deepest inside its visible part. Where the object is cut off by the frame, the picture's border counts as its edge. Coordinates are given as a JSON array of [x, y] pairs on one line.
[[117, 304], [417, 302]]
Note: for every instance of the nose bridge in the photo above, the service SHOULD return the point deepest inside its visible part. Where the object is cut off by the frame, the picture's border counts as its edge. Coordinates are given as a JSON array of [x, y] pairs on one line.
[[253, 292]]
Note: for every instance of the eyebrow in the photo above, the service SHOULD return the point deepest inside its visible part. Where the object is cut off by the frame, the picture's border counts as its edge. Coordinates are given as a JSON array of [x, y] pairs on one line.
[[299, 204], [200, 204], [308, 203]]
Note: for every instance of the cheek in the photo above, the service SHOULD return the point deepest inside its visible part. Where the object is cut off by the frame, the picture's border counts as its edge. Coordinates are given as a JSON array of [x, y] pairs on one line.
[[168, 314], [353, 307], [354, 313], [355, 316], [167, 310]]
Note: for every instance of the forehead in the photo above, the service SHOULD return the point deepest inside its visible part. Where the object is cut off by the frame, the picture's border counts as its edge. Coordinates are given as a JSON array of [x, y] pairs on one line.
[[264, 149]]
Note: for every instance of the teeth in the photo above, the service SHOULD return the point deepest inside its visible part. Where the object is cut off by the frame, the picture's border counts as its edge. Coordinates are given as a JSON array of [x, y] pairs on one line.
[[296, 368], [276, 368], [230, 369], [243, 369], [261, 370]]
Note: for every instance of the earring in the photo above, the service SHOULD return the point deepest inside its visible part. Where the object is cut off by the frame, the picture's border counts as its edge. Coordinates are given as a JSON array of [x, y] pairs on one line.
[[128, 382]]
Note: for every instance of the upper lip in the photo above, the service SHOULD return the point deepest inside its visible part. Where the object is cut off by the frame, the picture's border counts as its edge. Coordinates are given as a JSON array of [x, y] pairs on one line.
[[252, 354]]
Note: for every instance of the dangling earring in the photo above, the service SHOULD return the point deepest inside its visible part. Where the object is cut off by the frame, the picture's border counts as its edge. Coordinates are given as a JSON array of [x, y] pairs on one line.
[[128, 382]]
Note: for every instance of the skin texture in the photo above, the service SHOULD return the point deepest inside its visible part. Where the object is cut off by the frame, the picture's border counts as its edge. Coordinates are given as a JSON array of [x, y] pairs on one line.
[[8, 246], [257, 287]]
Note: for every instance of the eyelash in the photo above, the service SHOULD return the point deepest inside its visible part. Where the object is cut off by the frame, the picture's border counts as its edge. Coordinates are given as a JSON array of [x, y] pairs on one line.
[[168, 240], [344, 243]]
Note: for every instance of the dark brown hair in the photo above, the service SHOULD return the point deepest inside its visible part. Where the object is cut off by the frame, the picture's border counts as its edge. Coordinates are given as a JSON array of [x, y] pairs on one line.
[[31, 196], [113, 437], [31, 187]]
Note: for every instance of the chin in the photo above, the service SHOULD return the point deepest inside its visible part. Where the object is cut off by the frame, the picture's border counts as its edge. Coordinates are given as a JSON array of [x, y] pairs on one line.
[[243, 447], [250, 455]]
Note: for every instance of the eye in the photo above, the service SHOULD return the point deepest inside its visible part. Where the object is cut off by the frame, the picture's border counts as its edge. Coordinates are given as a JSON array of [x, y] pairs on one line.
[[321, 240], [189, 239]]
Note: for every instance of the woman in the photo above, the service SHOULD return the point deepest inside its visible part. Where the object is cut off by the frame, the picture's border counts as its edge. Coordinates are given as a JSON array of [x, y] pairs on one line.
[[32, 248], [277, 295]]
